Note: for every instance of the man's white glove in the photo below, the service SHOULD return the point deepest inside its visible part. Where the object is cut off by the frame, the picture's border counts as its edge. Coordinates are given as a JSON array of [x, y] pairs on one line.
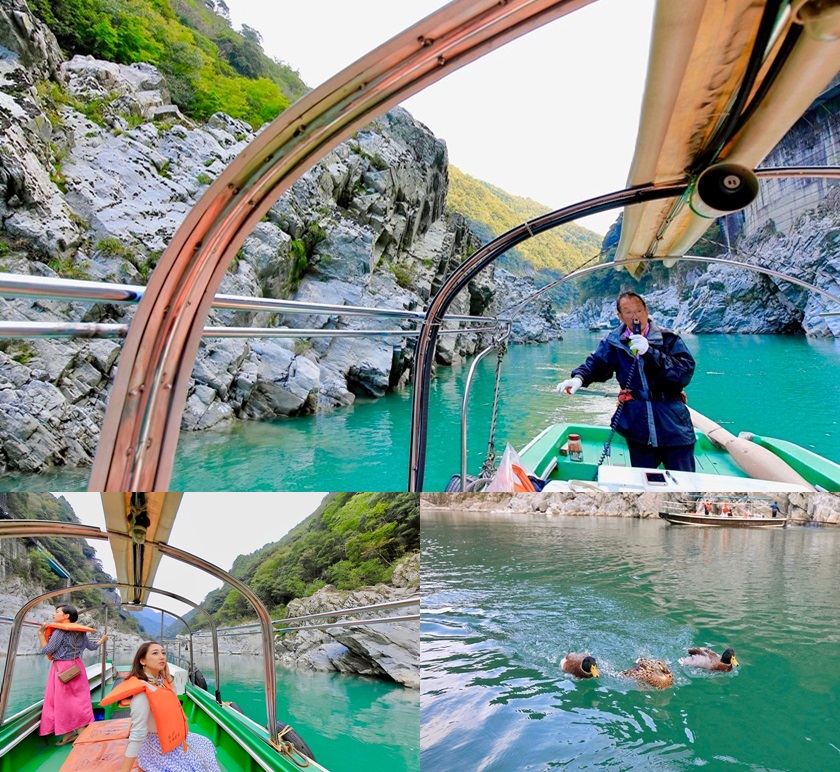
[[639, 344], [569, 386]]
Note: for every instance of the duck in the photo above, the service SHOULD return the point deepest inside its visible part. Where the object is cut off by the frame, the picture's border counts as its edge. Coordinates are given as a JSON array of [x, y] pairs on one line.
[[580, 665], [654, 673], [706, 658]]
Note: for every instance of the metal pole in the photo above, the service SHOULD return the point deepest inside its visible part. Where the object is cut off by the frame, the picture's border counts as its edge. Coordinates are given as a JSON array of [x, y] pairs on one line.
[[464, 410]]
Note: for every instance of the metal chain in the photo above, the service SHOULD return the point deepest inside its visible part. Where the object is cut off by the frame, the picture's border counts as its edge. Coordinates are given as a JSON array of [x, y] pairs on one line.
[[488, 468]]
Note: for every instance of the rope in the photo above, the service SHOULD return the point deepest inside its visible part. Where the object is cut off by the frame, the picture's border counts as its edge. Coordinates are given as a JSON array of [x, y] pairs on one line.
[[488, 468], [289, 750]]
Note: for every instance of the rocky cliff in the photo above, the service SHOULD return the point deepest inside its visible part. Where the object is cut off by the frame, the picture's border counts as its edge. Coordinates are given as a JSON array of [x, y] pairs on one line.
[[98, 169], [388, 650]]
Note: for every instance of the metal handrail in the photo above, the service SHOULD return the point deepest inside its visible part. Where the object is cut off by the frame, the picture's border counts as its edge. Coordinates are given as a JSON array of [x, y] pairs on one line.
[[19, 285], [413, 601], [100, 330]]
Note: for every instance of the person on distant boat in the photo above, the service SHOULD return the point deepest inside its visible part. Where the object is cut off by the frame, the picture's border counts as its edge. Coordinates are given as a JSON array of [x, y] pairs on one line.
[[67, 707], [774, 509], [653, 366], [160, 740], [707, 507], [726, 510]]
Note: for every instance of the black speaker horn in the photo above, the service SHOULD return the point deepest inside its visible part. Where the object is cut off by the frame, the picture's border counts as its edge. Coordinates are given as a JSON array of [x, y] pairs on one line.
[[722, 189]]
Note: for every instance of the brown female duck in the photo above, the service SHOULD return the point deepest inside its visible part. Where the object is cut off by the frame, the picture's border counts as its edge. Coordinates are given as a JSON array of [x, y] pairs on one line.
[[579, 665], [707, 659], [654, 673]]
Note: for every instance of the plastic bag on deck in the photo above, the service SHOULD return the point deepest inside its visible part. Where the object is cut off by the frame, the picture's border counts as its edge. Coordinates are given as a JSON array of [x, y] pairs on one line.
[[512, 475]]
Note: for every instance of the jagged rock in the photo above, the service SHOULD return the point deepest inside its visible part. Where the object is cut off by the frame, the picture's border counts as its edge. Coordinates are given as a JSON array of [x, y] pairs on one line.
[[28, 40], [126, 90], [383, 650], [407, 572]]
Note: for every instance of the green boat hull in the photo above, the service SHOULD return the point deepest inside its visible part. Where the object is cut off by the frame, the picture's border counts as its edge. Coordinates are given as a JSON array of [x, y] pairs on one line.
[[545, 456], [241, 745]]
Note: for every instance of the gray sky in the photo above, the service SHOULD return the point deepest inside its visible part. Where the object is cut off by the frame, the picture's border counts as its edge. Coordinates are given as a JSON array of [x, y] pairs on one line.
[[551, 116], [215, 526]]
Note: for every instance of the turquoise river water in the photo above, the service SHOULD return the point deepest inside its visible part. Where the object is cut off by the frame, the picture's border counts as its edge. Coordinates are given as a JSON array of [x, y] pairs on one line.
[[780, 386], [350, 723], [506, 596]]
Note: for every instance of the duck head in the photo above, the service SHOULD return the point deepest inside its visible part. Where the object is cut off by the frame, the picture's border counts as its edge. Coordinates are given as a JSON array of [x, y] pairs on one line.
[[728, 658], [589, 666]]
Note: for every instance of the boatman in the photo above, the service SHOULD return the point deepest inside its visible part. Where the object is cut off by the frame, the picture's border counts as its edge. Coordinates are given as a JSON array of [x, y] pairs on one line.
[[652, 366]]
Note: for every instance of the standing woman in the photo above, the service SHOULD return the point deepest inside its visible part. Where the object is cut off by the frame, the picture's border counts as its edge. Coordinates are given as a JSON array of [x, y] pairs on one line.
[[160, 739], [67, 707]]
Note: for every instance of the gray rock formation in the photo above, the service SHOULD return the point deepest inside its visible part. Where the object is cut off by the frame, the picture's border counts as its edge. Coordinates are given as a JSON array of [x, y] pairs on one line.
[[98, 170], [801, 508], [387, 650]]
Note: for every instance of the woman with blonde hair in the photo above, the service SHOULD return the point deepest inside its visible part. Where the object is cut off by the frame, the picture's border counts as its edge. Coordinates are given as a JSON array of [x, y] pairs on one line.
[[160, 740], [67, 707]]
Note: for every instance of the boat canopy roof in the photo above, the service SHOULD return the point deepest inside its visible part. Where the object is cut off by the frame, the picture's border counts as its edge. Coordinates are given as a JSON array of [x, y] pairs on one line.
[[142, 517], [727, 79]]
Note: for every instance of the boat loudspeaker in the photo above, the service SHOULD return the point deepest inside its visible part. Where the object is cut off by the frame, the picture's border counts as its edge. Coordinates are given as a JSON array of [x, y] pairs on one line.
[[722, 189]]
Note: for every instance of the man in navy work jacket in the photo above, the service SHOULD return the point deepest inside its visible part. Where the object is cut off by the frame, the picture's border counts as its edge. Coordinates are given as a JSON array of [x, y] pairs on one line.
[[652, 365]]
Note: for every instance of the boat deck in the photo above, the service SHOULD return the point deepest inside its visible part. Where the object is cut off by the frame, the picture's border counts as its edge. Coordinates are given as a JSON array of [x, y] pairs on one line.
[[101, 747], [547, 457]]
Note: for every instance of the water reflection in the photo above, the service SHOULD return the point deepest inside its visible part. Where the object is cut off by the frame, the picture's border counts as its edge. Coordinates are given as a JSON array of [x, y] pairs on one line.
[[506, 596]]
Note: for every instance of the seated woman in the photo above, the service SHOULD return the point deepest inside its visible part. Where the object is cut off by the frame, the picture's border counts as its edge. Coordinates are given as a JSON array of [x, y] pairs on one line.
[[160, 739], [67, 706]]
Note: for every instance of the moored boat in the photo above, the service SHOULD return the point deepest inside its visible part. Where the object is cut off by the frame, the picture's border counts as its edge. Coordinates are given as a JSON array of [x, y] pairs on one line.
[[723, 512]]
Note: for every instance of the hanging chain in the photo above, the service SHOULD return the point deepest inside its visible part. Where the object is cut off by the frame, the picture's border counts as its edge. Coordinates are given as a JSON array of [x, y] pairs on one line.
[[488, 468]]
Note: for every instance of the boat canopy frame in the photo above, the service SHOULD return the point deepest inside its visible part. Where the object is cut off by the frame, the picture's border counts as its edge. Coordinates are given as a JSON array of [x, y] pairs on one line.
[[22, 528]]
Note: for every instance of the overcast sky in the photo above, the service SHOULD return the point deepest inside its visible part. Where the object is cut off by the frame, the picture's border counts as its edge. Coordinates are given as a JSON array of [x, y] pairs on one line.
[[551, 116], [215, 526]]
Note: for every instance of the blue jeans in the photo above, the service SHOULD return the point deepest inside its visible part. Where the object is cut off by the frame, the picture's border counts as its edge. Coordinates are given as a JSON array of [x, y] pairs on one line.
[[678, 458]]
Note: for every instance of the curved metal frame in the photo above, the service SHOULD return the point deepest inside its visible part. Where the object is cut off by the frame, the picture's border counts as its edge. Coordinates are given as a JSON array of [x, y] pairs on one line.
[[16, 528], [142, 421], [122, 604], [14, 636], [462, 275]]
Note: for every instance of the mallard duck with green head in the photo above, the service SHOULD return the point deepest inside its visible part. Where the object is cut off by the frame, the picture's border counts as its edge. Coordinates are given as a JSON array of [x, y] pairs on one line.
[[707, 659], [580, 665]]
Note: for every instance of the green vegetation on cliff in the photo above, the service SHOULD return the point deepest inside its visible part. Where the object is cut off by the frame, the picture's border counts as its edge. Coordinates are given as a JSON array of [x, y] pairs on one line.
[[208, 66], [352, 540], [491, 212]]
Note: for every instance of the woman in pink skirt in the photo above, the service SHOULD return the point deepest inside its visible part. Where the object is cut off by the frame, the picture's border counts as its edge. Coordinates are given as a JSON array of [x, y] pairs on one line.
[[67, 706]]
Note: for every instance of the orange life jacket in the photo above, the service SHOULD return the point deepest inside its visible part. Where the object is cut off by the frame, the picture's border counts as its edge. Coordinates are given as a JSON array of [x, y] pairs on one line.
[[70, 627], [170, 719]]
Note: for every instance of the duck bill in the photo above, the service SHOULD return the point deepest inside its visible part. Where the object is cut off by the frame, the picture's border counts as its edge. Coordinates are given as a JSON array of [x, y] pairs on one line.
[[734, 662], [594, 671]]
